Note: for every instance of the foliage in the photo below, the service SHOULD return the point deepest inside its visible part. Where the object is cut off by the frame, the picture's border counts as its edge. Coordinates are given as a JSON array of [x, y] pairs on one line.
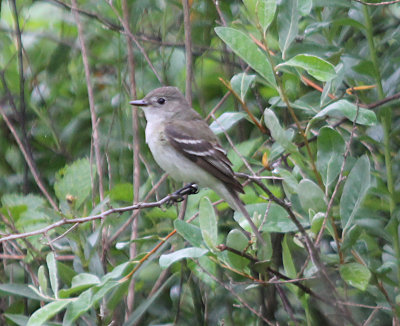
[[317, 148]]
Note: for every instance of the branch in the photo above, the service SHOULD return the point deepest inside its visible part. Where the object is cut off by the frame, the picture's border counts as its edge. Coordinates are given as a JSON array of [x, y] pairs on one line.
[[136, 152], [239, 298], [29, 161], [188, 50], [385, 3], [134, 39], [175, 197], [96, 143], [89, 14]]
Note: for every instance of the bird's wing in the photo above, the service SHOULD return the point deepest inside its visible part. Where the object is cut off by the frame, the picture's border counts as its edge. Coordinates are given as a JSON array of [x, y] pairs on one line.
[[202, 149]]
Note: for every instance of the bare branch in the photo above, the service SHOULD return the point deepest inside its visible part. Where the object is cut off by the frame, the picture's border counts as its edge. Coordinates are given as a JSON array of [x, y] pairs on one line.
[[29, 161], [188, 50], [80, 220], [385, 3], [136, 152], [93, 115], [134, 39]]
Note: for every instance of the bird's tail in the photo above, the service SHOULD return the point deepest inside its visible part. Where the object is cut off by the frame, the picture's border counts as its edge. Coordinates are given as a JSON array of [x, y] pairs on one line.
[[232, 198]]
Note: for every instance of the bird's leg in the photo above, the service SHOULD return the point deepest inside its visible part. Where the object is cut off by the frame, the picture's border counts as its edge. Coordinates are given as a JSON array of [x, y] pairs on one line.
[[179, 195]]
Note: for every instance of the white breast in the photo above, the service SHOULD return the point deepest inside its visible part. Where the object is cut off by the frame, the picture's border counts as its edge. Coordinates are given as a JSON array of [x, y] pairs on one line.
[[175, 164]]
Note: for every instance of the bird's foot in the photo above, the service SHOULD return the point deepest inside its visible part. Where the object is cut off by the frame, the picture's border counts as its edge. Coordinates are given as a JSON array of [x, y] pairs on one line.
[[179, 195]]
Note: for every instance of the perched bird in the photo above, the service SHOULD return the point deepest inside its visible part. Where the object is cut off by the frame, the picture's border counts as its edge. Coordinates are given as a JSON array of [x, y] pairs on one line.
[[184, 146]]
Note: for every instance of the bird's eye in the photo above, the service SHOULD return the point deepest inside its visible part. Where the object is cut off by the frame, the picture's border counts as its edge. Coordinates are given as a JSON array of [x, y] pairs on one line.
[[161, 100]]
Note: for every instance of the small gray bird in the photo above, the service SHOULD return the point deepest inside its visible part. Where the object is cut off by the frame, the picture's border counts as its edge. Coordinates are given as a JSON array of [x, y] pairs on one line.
[[184, 146]]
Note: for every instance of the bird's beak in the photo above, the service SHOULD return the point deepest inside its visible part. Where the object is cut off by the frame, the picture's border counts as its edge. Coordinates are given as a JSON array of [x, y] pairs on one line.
[[139, 103]]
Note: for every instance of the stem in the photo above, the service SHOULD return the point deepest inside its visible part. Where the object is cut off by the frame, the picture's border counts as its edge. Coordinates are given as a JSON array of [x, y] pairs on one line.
[[386, 121], [285, 99], [188, 50]]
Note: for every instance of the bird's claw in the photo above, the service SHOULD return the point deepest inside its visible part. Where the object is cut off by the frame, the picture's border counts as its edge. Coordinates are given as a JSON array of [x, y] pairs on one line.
[[179, 195]]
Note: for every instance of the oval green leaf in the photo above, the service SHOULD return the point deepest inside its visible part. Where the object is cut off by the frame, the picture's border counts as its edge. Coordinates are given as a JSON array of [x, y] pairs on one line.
[[277, 132], [315, 66], [245, 48], [41, 315], [226, 121], [356, 275], [241, 83], [344, 108], [189, 232], [237, 240], [311, 196], [193, 252], [331, 148], [208, 223], [354, 191]]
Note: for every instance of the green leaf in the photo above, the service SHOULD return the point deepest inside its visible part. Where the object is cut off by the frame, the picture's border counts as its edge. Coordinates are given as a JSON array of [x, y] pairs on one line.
[[80, 283], [82, 304], [315, 66], [344, 108], [331, 148], [52, 266], [356, 275], [241, 83], [311, 196], [31, 201], [263, 9], [277, 132], [19, 320], [245, 48], [278, 220], [42, 279], [192, 252], [208, 223], [237, 240], [288, 24], [287, 259], [264, 254], [226, 121], [75, 180], [305, 7], [354, 191], [189, 232], [122, 192], [19, 290], [48, 311], [245, 148]]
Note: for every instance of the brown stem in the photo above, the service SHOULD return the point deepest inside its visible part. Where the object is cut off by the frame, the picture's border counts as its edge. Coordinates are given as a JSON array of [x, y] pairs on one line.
[[136, 150], [134, 39], [80, 220], [93, 115], [188, 50], [29, 161], [244, 105]]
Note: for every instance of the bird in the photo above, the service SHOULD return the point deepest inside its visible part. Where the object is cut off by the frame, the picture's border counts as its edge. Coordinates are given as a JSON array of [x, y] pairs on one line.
[[185, 147]]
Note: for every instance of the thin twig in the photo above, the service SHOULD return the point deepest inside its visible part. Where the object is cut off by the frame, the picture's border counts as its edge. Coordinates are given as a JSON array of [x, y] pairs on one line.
[[29, 161], [93, 115], [223, 21], [219, 104], [134, 39], [233, 146], [385, 3], [79, 220], [188, 50], [136, 151], [244, 106], [230, 290], [133, 216], [336, 189], [22, 104]]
